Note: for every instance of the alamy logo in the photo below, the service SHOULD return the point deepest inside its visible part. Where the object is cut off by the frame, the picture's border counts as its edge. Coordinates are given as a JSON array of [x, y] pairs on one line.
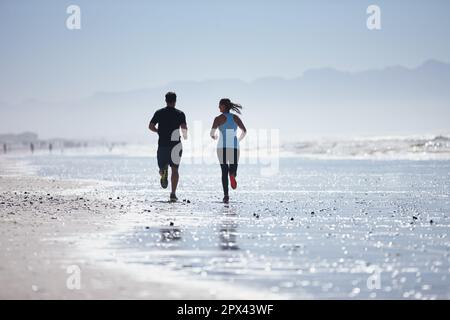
[[73, 21], [374, 19], [374, 280], [73, 282]]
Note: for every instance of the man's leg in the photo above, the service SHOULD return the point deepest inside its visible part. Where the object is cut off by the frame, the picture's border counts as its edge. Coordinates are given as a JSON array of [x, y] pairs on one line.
[[162, 157], [175, 159], [174, 179]]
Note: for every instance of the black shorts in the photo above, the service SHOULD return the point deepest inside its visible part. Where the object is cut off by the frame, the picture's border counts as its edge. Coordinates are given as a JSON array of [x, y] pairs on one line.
[[169, 156], [228, 155]]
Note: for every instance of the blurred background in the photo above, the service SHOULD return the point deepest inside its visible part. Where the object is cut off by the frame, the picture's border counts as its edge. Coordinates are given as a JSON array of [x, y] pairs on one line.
[[310, 69]]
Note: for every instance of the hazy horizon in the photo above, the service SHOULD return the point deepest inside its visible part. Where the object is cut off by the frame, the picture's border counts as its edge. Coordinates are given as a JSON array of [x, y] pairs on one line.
[[250, 81], [392, 101], [306, 68]]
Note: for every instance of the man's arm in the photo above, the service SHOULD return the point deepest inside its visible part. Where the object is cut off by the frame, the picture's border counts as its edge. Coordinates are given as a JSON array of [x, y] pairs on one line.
[[153, 122], [183, 126], [152, 127], [184, 130]]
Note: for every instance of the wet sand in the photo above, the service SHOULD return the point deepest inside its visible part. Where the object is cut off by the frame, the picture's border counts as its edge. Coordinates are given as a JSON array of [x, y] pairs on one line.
[[319, 229], [39, 220]]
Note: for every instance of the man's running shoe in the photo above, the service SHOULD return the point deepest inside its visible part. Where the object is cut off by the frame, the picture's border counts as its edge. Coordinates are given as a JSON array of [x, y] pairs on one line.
[[226, 199], [164, 175], [173, 197]]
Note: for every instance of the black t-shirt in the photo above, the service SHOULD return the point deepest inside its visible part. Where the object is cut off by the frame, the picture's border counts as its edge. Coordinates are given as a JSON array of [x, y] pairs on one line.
[[168, 120]]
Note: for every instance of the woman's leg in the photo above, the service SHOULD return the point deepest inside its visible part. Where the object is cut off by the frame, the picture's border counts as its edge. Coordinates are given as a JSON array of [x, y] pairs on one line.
[[233, 157], [225, 170], [222, 155], [235, 161]]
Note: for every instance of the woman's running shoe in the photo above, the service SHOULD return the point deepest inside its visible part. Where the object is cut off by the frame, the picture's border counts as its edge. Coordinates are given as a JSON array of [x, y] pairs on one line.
[[233, 182]]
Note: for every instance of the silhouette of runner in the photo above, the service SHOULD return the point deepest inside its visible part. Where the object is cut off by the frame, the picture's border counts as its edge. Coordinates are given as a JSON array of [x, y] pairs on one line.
[[167, 123], [228, 143]]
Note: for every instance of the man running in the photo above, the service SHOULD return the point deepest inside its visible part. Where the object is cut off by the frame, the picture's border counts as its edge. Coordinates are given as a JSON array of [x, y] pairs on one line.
[[169, 121]]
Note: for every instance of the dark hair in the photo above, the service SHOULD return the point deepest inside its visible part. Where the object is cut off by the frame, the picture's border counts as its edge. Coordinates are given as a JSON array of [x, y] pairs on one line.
[[171, 97], [229, 105]]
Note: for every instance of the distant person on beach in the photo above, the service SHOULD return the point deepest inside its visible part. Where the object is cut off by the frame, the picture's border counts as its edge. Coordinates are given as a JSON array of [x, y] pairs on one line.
[[5, 148], [167, 123], [32, 147], [228, 142], [50, 148]]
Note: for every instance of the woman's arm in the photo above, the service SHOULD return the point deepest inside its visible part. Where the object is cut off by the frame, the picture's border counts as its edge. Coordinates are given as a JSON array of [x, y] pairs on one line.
[[241, 126], [214, 128]]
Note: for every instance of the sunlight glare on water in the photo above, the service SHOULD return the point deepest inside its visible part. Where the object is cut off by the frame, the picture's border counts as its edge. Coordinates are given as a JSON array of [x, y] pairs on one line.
[[325, 228]]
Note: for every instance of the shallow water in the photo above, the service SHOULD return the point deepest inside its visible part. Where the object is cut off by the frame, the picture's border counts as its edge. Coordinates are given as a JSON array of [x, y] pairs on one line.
[[318, 228]]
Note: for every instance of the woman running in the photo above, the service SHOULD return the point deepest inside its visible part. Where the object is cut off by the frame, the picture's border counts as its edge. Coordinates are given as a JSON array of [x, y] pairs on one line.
[[228, 144]]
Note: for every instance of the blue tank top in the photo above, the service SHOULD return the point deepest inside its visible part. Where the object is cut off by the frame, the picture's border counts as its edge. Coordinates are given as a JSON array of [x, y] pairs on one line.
[[227, 133]]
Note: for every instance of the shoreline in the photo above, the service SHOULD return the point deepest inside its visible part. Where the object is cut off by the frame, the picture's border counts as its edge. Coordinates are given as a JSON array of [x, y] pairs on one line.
[[39, 243], [131, 244], [33, 225]]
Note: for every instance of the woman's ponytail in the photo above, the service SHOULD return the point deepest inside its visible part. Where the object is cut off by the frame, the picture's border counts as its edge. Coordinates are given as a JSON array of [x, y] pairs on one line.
[[229, 105]]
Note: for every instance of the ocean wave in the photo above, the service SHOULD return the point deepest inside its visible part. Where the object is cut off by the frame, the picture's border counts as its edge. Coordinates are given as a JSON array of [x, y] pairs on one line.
[[413, 147]]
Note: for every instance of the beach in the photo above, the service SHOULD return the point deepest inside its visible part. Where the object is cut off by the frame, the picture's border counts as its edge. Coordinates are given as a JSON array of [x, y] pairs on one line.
[[41, 221], [328, 229], [315, 154]]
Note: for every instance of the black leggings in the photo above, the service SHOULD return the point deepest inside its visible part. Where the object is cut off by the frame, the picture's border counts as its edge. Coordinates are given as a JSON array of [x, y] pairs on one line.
[[228, 159]]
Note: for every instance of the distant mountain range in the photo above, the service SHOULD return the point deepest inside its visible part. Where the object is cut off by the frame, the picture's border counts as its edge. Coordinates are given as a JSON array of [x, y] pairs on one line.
[[322, 102], [23, 137]]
